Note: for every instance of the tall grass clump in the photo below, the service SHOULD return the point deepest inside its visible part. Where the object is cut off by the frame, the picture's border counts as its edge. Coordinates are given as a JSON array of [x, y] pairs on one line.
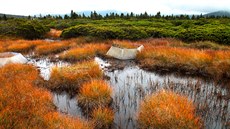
[[55, 120], [94, 94], [24, 105], [102, 118], [2, 49], [208, 63], [125, 44], [161, 42], [208, 45], [85, 52], [71, 77], [22, 47], [51, 48], [167, 110]]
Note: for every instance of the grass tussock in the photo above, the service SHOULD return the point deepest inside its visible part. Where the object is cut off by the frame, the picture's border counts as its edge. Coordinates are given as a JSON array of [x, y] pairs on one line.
[[102, 118], [51, 48], [125, 44], [55, 120], [84, 52], [40, 47], [2, 49], [23, 46], [167, 110], [161, 42], [71, 77], [208, 45], [209, 63], [24, 105], [94, 94]]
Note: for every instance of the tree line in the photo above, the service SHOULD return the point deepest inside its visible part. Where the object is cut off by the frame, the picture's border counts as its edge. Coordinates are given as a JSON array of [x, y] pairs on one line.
[[96, 16]]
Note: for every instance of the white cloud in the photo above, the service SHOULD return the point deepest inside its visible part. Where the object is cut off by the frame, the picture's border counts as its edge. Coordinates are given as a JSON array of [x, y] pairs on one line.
[[29, 7]]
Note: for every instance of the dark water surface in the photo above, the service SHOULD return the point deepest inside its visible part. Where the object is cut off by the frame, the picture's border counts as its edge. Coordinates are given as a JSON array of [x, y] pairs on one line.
[[131, 84]]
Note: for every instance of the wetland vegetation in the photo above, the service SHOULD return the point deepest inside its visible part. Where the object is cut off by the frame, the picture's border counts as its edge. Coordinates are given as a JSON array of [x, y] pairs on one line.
[[180, 80]]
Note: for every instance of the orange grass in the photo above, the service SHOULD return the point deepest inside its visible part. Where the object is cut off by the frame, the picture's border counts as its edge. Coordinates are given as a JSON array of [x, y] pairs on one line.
[[162, 42], [51, 48], [84, 52], [207, 45], [2, 49], [167, 110], [23, 46], [94, 94], [23, 105], [189, 61], [53, 33], [55, 120], [102, 118], [71, 77], [42, 47], [125, 44]]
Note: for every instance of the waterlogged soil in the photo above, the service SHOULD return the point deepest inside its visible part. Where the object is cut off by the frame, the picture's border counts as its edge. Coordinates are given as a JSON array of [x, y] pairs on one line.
[[131, 84]]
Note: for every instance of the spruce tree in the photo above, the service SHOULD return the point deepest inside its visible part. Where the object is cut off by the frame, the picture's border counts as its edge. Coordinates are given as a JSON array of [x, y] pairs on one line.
[[83, 15], [131, 14], [4, 17], [158, 15], [71, 14], [66, 16]]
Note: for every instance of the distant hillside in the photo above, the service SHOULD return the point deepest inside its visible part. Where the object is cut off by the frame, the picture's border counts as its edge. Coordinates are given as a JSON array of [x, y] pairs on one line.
[[218, 13], [12, 16]]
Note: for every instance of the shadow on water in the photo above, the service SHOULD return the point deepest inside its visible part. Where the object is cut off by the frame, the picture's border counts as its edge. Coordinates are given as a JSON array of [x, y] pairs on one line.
[[131, 84]]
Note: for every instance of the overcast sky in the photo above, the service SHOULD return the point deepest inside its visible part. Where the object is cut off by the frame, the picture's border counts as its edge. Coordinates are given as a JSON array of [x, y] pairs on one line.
[[31, 7]]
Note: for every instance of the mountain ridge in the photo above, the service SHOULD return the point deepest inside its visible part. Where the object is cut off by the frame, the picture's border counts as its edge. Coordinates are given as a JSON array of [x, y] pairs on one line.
[[12, 16], [218, 13]]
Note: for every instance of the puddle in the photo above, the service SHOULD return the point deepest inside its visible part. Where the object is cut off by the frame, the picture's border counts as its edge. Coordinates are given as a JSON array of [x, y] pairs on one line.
[[131, 84], [67, 105], [45, 65], [52, 40]]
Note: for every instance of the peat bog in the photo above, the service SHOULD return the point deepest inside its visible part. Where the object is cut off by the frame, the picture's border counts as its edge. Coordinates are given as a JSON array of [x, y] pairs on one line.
[[130, 84]]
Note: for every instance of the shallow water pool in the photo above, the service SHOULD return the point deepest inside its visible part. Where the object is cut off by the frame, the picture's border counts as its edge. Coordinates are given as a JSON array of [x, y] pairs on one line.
[[131, 84]]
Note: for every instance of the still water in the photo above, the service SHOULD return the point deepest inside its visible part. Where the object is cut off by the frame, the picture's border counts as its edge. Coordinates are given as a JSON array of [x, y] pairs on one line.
[[131, 84]]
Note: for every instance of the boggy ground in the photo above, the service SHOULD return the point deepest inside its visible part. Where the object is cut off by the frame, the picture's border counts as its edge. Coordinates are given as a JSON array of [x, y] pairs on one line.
[[166, 55], [25, 105], [208, 60], [131, 84], [205, 59]]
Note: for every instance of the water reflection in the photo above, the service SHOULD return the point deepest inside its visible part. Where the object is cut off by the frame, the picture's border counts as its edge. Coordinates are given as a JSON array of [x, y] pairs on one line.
[[45, 66], [131, 84], [67, 104]]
